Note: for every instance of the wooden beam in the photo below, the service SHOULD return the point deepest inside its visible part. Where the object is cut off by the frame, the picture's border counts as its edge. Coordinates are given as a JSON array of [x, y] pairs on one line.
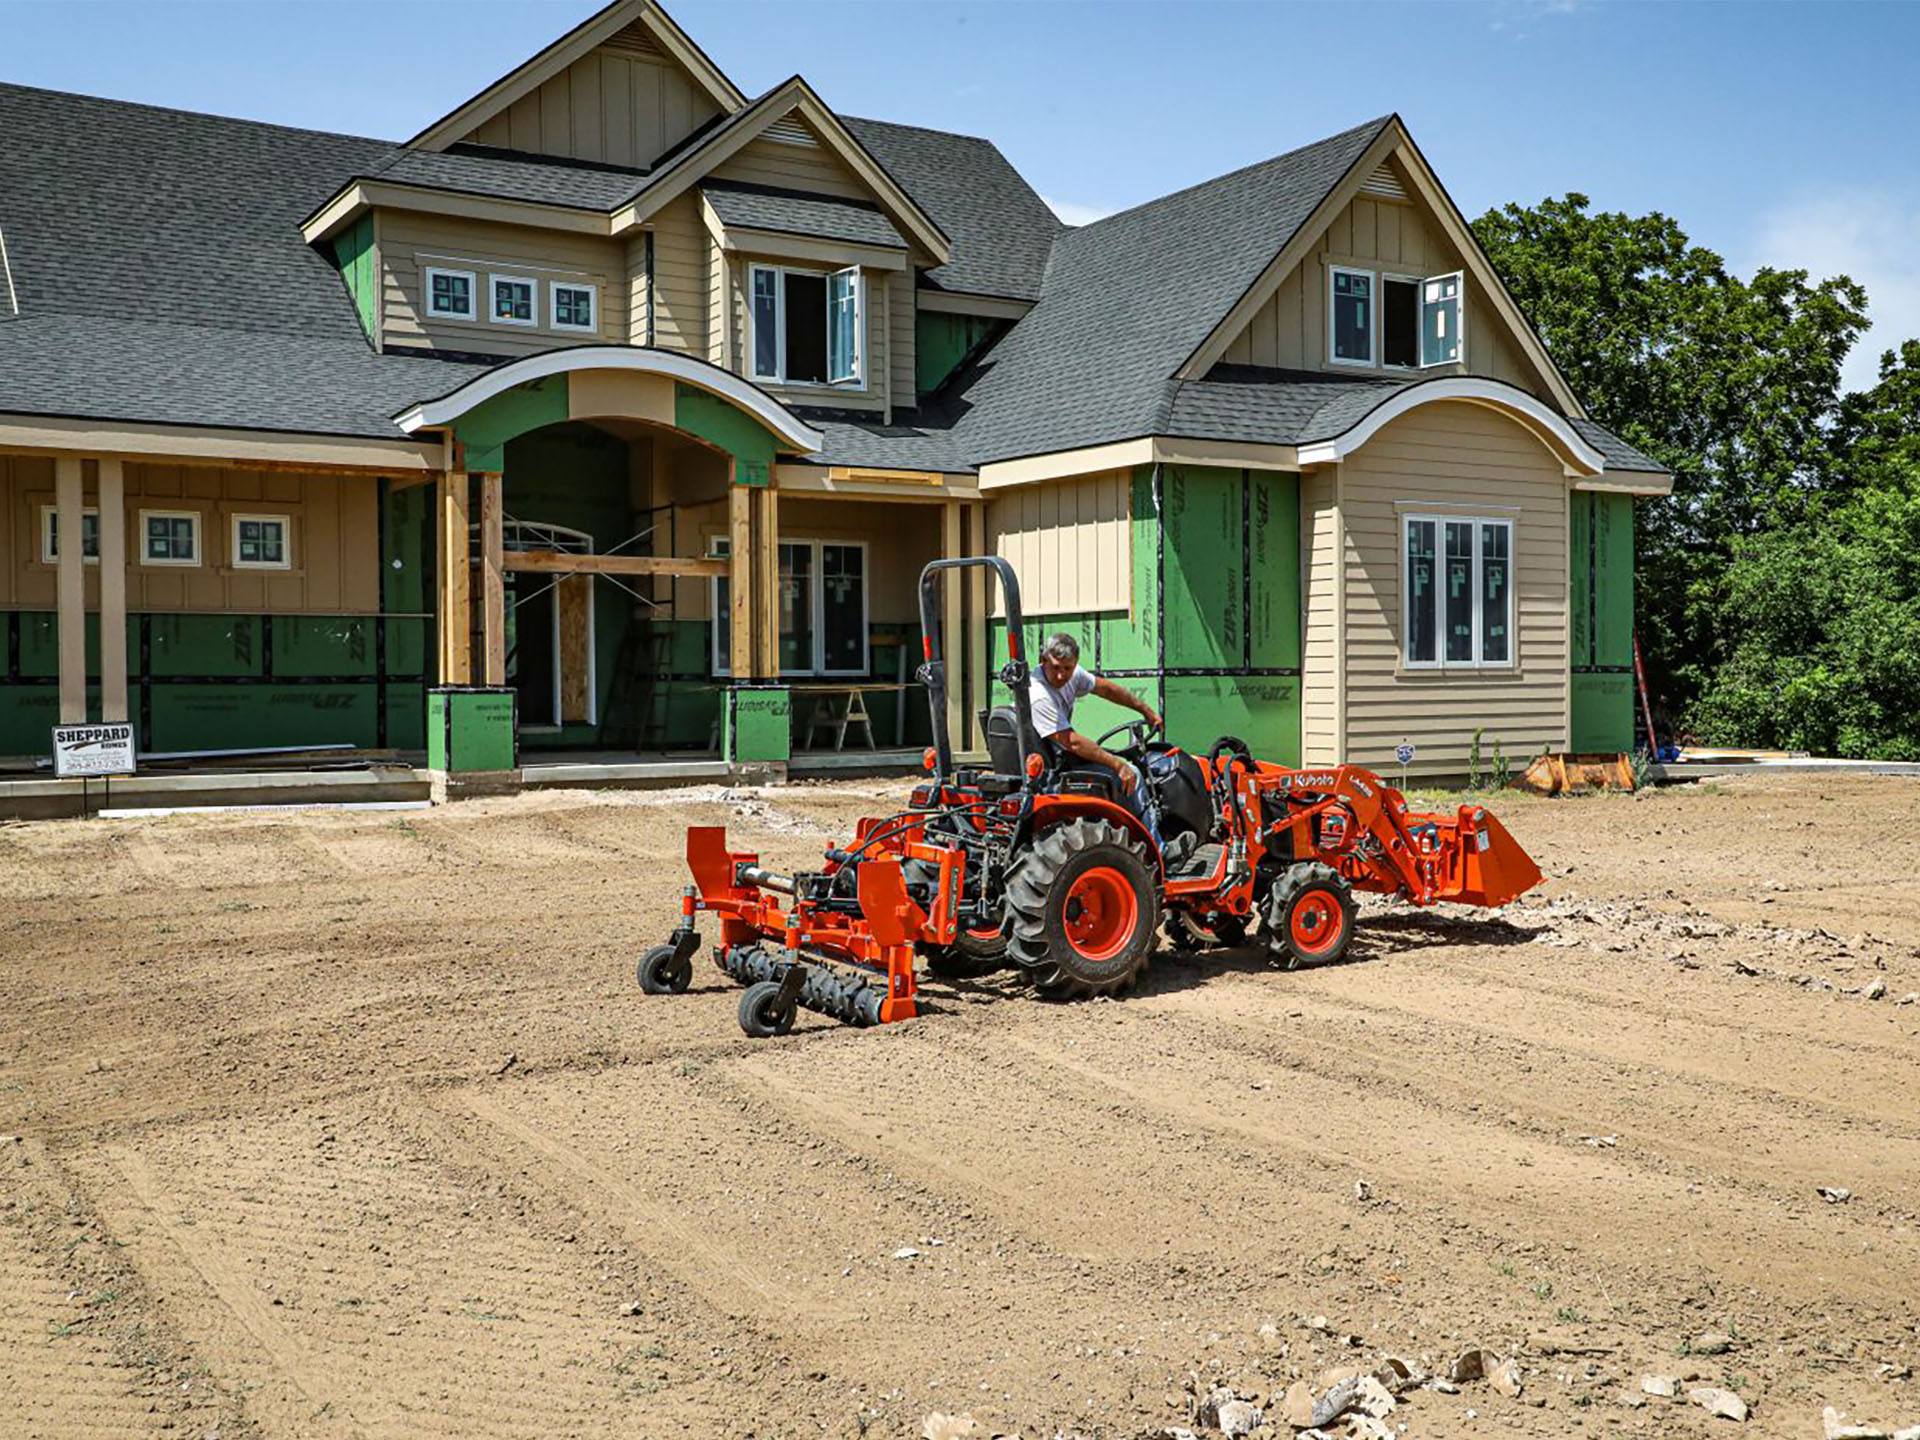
[[70, 590], [560, 562], [111, 498], [740, 653], [456, 616], [766, 560], [493, 590]]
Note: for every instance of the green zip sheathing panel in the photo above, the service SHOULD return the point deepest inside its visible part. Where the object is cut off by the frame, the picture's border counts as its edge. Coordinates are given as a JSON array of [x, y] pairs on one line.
[[732, 429], [470, 729], [212, 682], [1212, 639], [485, 430], [942, 341], [1600, 595], [353, 253], [758, 725]]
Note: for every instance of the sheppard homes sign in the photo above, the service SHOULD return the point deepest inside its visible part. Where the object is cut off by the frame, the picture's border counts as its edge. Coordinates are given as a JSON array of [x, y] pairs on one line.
[[81, 752]]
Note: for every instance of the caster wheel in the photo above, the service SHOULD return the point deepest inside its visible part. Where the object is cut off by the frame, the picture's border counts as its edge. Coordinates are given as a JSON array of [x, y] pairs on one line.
[[760, 1014], [661, 974]]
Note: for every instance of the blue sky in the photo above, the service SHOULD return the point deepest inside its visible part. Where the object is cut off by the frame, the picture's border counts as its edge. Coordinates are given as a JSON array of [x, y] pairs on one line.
[[1775, 133]]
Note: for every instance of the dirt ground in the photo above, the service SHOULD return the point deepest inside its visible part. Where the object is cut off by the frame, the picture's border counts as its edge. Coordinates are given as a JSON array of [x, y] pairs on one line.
[[357, 1125]]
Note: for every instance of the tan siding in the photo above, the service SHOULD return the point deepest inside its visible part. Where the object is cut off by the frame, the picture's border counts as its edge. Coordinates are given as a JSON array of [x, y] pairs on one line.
[[638, 300], [1470, 459], [813, 168], [1321, 674], [334, 524], [616, 104], [900, 337], [1069, 541], [680, 277], [412, 242]]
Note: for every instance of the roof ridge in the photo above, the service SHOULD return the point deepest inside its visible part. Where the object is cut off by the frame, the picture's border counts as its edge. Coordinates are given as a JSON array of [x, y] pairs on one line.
[[151, 108]]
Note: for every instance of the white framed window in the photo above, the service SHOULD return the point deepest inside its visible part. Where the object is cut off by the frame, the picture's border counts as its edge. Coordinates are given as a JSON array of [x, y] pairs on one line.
[[1457, 592], [50, 535], [1442, 319], [574, 305], [823, 608], [170, 537], [261, 542], [1351, 317], [512, 300], [451, 294], [806, 327]]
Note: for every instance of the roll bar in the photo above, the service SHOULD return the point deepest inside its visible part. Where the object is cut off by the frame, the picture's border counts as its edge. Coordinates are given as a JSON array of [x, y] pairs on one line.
[[933, 670]]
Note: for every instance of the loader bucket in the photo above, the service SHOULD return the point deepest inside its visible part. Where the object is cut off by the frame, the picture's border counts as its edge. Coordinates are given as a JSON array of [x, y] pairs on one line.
[[1493, 867]]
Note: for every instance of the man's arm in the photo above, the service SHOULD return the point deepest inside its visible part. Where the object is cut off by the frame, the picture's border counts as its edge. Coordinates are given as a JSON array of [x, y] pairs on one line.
[[1081, 748], [1120, 695]]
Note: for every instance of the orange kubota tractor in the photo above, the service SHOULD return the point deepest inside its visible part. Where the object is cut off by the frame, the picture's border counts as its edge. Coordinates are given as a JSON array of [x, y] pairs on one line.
[[1044, 867]]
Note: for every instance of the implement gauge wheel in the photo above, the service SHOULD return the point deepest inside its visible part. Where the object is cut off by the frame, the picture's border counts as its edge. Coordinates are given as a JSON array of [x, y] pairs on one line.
[[760, 1012], [1310, 916], [1085, 905], [659, 975]]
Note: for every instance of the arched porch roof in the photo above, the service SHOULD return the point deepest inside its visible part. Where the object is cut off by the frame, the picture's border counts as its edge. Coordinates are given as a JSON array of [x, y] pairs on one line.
[[1346, 426]]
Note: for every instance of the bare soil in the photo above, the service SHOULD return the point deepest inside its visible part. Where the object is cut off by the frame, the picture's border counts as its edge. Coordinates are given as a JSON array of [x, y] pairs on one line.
[[326, 1124]]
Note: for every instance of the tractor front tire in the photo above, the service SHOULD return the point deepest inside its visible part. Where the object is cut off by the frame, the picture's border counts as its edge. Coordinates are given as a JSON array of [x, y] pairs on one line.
[[1310, 915], [972, 954], [1085, 906], [661, 975]]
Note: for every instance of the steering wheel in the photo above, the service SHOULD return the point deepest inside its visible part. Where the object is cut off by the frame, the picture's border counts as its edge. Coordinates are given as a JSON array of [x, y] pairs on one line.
[[1136, 730]]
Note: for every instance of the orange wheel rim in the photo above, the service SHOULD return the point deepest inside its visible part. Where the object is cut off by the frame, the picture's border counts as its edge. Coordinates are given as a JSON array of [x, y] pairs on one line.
[[984, 932], [1316, 923], [1102, 913]]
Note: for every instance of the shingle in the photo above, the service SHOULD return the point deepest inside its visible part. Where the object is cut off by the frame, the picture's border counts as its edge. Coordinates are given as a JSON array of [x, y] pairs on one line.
[[792, 212], [915, 441], [1620, 455], [498, 175]]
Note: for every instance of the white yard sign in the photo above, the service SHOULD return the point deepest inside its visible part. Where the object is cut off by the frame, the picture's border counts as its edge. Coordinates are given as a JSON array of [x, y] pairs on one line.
[[82, 752]]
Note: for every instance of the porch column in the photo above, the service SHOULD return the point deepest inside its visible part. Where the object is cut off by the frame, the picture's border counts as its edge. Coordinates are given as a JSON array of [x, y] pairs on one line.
[[455, 614], [70, 591], [493, 585], [111, 491], [953, 639], [767, 592], [741, 655]]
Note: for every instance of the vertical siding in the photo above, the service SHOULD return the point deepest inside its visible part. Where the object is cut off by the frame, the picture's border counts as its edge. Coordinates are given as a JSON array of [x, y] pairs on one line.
[[410, 243], [680, 277], [1321, 679], [1069, 541], [625, 104], [1453, 456]]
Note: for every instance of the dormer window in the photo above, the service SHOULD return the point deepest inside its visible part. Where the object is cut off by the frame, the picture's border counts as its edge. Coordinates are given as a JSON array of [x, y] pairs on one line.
[[1351, 319], [806, 325], [513, 300], [1400, 322], [450, 294], [574, 306]]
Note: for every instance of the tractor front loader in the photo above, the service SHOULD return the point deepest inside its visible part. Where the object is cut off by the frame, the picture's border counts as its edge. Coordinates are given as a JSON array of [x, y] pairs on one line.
[[1036, 864]]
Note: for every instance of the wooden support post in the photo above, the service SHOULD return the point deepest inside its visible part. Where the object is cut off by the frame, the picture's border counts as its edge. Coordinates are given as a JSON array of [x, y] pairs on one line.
[[953, 642], [493, 592], [70, 590], [740, 651], [979, 649], [111, 498], [766, 559], [455, 604]]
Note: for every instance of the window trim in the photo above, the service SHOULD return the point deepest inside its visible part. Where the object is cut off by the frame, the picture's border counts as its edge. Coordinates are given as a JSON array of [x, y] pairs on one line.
[[284, 521], [1440, 518], [473, 294], [719, 548], [1372, 362], [496, 278], [592, 327], [199, 540], [780, 272], [47, 514]]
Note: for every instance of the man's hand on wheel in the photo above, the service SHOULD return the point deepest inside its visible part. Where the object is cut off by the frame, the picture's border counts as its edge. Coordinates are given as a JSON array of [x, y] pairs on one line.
[[1129, 776], [1154, 722]]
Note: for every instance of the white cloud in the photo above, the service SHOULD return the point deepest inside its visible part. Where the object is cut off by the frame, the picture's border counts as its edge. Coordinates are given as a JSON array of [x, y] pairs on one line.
[[1074, 214], [1871, 235]]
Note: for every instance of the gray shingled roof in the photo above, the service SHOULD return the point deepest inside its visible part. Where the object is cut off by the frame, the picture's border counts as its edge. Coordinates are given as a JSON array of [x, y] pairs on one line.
[[1001, 231], [500, 175], [1619, 454], [791, 212]]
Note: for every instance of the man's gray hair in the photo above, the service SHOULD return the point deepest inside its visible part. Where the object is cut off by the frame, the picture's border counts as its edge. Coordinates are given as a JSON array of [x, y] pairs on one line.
[[1060, 647]]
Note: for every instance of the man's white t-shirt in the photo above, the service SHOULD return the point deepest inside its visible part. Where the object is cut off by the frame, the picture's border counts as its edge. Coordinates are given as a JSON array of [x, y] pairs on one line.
[[1053, 706]]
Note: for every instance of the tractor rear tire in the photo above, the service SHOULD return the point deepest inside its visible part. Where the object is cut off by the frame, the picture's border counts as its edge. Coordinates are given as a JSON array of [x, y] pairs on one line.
[[660, 975], [1310, 915], [972, 954], [1085, 905]]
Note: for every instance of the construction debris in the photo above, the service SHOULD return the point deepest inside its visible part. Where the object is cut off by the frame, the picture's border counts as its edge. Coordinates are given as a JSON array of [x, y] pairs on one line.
[[1834, 1194], [1665, 1386], [1711, 1342], [1715, 1401]]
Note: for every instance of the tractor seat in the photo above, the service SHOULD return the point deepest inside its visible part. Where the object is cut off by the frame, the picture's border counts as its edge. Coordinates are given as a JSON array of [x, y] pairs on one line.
[[1002, 728]]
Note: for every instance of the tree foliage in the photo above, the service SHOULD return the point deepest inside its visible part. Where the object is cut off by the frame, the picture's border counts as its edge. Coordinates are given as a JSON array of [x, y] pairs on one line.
[[1778, 587]]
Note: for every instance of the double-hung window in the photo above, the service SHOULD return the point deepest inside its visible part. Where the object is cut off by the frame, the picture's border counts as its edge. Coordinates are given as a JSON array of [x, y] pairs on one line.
[[1402, 322], [50, 535], [450, 294], [1457, 588], [823, 608], [806, 327]]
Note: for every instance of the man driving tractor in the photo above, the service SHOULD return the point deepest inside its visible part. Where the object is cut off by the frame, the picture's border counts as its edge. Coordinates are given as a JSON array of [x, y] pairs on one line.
[[1057, 683]]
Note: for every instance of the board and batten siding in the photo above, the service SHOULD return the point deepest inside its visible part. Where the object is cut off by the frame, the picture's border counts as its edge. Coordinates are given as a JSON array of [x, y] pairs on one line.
[[624, 103], [333, 520], [1391, 238], [410, 243], [1320, 612], [1070, 542], [1466, 459]]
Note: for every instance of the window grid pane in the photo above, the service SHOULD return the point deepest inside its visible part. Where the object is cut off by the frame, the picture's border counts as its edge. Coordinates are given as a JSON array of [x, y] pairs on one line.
[[844, 607], [1458, 599], [1495, 594], [1352, 316], [766, 323], [1420, 592]]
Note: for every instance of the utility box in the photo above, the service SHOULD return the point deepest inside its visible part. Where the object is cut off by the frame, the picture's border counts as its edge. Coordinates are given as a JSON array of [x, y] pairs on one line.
[[471, 729]]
